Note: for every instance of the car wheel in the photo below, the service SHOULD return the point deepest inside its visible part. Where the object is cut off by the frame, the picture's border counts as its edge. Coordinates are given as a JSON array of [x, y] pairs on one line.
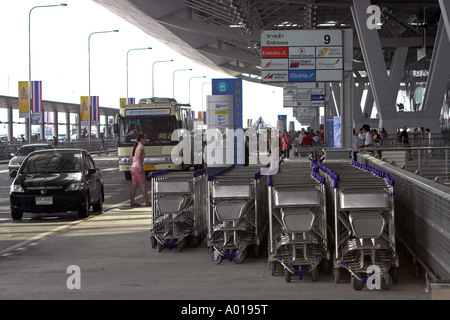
[[98, 207], [83, 211], [16, 215], [127, 175]]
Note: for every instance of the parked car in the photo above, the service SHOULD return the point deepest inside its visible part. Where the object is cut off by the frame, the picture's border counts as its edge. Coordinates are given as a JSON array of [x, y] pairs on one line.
[[21, 154], [59, 180]]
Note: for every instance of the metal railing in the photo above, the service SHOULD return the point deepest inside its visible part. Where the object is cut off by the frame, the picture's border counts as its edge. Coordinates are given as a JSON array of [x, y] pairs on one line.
[[416, 139], [422, 219], [430, 162]]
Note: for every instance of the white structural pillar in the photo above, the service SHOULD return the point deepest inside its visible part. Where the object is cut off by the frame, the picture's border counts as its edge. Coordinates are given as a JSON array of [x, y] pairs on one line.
[[68, 126], [10, 124], [55, 124], [346, 96]]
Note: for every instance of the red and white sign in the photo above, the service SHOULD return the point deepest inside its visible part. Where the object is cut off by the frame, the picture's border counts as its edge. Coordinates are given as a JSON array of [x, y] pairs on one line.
[[274, 64], [274, 52]]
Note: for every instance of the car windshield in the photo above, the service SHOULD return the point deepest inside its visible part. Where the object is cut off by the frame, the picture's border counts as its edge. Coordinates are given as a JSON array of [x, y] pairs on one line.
[[52, 162], [24, 151], [157, 129]]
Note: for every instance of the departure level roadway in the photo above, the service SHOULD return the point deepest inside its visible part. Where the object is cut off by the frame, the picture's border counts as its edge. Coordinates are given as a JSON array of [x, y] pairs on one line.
[[116, 260]]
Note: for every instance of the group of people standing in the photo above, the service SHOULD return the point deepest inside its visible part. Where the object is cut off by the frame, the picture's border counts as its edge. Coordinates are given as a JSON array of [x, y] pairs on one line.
[[300, 138], [371, 138]]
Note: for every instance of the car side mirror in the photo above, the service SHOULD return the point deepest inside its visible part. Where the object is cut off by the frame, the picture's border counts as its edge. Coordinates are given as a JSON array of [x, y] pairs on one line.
[[116, 128], [12, 154], [92, 171]]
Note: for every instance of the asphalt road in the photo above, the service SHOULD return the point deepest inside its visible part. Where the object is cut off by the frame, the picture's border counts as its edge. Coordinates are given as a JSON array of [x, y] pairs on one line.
[[31, 226]]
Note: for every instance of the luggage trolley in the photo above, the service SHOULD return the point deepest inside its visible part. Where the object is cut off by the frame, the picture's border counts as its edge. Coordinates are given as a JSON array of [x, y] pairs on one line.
[[297, 220], [362, 218], [178, 205], [237, 198]]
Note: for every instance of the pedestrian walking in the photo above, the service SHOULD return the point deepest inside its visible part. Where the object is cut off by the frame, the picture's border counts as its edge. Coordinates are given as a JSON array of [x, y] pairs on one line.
[[430, 141], [102, 146], [137, 171], [404, 140], [286, 144]]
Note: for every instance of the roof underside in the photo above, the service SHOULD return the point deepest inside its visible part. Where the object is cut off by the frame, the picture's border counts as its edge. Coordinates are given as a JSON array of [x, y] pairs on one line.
[[225, 34]]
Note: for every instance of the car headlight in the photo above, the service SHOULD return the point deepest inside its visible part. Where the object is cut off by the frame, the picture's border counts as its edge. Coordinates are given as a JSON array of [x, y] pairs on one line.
[[16, 188], [14, 163], [76, 187]]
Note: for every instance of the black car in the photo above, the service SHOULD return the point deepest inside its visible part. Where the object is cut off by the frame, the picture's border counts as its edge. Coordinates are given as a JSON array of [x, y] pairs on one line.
[[58, 180]]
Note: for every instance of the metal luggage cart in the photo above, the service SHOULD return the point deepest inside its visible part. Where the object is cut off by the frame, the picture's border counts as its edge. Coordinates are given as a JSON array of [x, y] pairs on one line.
[[297, 221], [361, 215], [237, 201], [178, 206]]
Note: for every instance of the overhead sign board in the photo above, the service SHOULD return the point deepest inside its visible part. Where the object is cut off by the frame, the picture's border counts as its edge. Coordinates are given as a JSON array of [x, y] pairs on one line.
[[301, 56], [308, 94]]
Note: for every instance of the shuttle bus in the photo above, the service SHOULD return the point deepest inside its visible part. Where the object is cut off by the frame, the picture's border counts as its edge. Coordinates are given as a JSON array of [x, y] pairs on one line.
[[157, 118]]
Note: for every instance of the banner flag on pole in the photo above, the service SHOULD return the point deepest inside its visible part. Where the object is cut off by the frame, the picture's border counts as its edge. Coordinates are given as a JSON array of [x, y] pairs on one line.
[[95, 111], [84, 111], [36, 100], [123, 101], [47, 117], [24, 100]]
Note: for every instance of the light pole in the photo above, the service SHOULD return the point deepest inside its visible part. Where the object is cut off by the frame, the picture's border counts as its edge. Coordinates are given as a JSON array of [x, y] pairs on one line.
[[153, 75], [29, 62], [173, 87], [190, 86], [89, 71], [148, 48]]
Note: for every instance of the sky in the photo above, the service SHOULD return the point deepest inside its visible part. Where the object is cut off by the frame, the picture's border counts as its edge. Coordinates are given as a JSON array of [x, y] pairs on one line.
[[59, 58]]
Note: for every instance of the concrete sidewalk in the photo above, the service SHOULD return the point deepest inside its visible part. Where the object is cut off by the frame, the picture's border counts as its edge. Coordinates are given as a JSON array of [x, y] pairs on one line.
[[116, 261]]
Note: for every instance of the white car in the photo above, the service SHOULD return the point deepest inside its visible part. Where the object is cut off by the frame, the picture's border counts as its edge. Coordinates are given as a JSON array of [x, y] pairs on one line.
[[21, 154]]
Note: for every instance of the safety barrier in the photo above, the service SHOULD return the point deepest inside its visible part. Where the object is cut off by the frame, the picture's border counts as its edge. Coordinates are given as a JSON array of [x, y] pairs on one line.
[[422, 218]]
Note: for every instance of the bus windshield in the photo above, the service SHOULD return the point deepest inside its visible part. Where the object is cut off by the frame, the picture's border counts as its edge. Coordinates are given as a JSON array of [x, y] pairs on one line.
[[158, 130]]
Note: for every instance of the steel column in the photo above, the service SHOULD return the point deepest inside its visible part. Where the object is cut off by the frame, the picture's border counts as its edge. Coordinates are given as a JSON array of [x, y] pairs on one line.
[[385, 88], [438, 77]]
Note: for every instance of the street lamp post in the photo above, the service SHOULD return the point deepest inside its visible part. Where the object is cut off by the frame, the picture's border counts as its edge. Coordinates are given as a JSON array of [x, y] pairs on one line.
[[153, 74], [190, 86], [29, 62], [148, 48], [89, 71], [173, 87]]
